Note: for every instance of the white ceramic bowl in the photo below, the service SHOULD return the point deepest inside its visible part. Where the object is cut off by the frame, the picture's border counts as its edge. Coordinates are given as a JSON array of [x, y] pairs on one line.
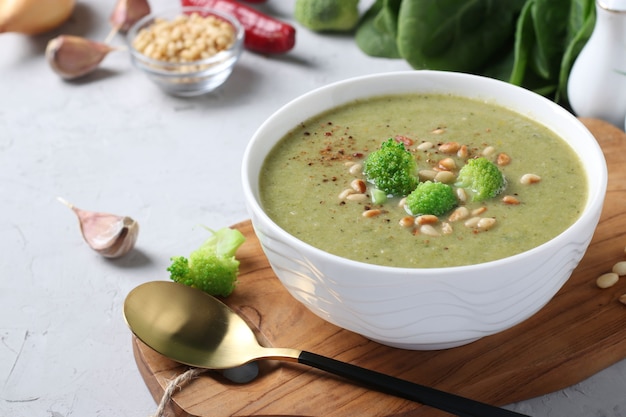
[[190, 78], [415, 308]]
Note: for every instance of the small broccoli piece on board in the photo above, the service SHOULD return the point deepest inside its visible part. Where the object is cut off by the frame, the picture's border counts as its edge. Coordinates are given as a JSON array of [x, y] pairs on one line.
[[212, 267]]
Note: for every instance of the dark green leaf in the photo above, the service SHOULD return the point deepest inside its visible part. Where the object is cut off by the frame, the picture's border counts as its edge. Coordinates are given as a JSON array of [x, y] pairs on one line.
[[386, 21], [457, 35], [375, 34], [578, 41], [556, 24], [524, 41]]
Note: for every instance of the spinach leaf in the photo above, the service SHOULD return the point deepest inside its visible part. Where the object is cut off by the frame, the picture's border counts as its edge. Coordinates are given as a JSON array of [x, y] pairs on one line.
[[500, 66], [550, 19], [530, 43], [376, 32], [456, 35], [387, 20], [582, 23], [524, 41], [548, 38]]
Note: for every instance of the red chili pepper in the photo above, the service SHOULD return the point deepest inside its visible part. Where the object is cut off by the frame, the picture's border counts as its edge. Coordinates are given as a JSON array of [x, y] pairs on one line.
[[264, 34]]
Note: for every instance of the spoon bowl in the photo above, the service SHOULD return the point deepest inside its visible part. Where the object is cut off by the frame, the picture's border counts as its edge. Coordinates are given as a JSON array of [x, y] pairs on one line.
[[196, 329]]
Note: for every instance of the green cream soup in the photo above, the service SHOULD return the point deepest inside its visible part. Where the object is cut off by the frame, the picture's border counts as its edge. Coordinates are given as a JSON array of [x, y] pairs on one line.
[[306, 183]]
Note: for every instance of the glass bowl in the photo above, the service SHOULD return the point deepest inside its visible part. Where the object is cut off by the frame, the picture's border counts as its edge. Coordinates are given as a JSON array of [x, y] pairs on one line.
[[196, 76]]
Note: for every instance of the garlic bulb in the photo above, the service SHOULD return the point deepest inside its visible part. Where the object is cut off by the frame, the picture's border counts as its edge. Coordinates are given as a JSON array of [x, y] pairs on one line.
[[32, 17], [110, 235], [72, 56]]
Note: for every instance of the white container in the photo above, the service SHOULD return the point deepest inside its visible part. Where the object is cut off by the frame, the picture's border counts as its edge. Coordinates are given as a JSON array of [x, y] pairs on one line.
[[597, 82], [425, 308]]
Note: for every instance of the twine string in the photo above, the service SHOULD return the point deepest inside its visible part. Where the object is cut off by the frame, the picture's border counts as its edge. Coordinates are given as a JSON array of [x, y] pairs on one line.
[[175, 383]]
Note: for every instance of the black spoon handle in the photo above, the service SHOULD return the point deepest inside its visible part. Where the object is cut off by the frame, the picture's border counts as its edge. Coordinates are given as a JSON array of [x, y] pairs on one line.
[[441, 400]]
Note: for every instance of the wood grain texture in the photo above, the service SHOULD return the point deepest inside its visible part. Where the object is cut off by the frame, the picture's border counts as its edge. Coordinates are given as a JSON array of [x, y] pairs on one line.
[[580, 332]]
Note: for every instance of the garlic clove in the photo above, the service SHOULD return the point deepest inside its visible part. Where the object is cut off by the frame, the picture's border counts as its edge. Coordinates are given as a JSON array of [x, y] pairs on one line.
[[127, 12], [110, 235], [72, 56]]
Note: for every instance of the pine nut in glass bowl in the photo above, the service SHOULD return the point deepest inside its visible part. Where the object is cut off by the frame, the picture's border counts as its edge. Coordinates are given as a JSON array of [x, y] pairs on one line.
[[186, 51], [446, 303]]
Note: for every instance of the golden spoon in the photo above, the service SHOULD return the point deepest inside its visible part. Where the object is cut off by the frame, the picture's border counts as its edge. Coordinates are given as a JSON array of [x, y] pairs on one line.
[[194, 328]]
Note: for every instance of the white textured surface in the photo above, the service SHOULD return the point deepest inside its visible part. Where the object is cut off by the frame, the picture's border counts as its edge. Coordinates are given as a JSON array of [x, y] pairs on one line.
[[115, 143]]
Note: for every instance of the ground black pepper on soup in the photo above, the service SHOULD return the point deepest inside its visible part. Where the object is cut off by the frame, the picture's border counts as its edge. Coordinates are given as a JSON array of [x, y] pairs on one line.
[[312, 183]]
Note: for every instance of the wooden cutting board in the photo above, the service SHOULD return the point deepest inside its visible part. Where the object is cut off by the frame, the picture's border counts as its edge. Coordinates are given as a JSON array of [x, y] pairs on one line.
[[580, 332]]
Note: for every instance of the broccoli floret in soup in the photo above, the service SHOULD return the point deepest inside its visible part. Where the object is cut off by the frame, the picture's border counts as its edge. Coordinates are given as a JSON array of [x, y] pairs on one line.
[[482, 178], [391, 169], [429, 197]]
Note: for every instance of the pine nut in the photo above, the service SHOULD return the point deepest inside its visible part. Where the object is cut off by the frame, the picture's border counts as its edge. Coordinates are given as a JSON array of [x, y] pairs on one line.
[[622, 299], [358, 185], [461, 194], [429, 230], [459, 213], [447, 164], [489, 151], [426, 219], [372, 213], [449, 147], [463, 152], [407, 221], [503, 159], [445, 177], [404, 140], [356, 169], [356, 197], [478, 211], [345, 193], [438, 131], [620, 268], [402, 202], [509, 199], [446, 228], [472, 222], [163, 39], [427, 175], [607, 280], [425, 146], [528, 179], [486, 223]]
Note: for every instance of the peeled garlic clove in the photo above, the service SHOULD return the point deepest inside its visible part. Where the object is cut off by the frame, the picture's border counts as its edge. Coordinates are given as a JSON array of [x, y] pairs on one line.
[[32, 17], [110, 235], [127, 12], [72, 56]]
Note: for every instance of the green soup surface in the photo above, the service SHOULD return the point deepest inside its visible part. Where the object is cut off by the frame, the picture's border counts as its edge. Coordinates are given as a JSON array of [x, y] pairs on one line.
[[306, 182]]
